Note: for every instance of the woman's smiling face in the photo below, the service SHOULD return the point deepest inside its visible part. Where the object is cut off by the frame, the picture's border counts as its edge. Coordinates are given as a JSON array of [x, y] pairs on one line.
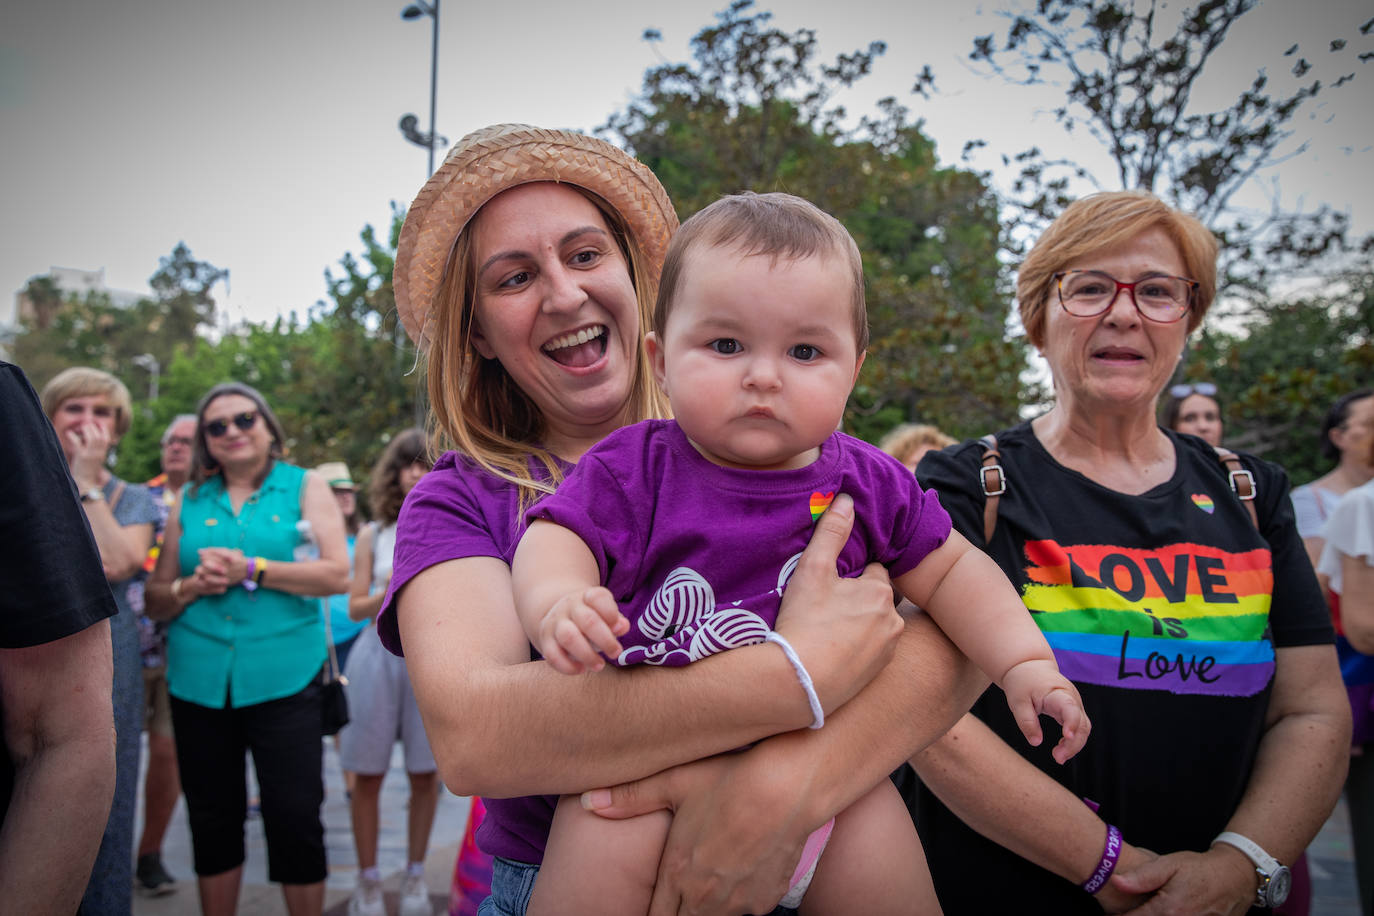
[[554, 304]]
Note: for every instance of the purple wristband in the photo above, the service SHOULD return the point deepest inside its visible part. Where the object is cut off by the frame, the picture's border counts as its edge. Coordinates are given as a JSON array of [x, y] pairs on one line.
[[249, 584], [1110, 853]]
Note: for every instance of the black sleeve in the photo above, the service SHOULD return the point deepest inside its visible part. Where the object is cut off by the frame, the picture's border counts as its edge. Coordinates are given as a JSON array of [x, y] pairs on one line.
[[1298, 614], [954, 475], [54, 584]]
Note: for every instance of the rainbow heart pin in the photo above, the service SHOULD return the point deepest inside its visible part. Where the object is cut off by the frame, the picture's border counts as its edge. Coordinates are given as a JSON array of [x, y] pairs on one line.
[[819, 503], [1204, 502]]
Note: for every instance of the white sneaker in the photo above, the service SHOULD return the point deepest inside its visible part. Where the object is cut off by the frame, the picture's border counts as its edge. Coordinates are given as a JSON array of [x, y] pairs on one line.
[[367, 899], [415, 897]]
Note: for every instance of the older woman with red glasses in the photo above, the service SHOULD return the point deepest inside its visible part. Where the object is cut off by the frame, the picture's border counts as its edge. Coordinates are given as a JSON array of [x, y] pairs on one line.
[[1191, 625], [249, 546]]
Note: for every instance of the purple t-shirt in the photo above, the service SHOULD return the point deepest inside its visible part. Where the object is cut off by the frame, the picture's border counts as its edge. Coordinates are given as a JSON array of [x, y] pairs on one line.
[[698, 555], [459, 510]]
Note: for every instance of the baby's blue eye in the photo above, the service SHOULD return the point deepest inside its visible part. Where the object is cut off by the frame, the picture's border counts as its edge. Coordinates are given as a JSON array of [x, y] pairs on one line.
[[725, 345], [805, 352]]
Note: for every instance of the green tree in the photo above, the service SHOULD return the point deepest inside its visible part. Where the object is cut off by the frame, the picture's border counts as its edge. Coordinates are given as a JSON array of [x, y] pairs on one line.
[[1132, 75], [1279, 373], [753, 110], [183, 289]]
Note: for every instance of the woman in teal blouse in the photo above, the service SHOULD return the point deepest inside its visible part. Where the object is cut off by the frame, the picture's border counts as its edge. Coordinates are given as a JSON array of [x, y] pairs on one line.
[[251, 543]]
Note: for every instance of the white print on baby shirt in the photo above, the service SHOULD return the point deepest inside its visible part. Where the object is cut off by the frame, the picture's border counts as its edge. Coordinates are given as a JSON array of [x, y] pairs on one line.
[[687, 624]]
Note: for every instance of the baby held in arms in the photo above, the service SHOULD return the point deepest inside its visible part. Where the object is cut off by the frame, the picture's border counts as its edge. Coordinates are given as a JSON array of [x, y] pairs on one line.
[[672, 540]]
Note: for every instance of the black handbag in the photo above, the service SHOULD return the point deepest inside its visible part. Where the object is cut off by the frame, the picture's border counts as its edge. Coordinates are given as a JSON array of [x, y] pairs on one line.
[[333, 697]]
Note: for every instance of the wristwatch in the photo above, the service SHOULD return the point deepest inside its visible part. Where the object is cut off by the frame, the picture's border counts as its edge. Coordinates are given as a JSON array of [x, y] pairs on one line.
[[1275, 879], [93, 495]]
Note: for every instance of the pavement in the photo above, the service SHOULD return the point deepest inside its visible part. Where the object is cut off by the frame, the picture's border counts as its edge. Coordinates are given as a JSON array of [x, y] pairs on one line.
[[1330, 857], [259, 897]]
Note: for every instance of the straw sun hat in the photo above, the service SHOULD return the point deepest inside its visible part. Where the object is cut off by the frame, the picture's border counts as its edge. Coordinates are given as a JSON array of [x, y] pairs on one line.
[[491, 160]]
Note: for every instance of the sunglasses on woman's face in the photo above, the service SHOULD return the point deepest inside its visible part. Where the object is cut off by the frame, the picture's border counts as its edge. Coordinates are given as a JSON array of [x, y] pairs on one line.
[[244, 421], [1206, 389]]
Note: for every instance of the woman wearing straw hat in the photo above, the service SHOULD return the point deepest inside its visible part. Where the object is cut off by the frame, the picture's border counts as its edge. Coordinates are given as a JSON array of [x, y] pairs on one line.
[[526, 270]]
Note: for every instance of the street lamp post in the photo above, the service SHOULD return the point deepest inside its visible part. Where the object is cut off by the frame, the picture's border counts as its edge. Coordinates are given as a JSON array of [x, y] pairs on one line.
[[409, 122], [149, 361]]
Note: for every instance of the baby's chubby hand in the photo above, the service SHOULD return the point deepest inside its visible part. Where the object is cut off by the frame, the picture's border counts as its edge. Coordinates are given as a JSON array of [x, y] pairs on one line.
[[580, 628], [1035, 688]]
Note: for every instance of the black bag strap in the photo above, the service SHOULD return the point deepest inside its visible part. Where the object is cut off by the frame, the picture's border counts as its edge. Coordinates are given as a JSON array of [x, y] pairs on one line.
[[993, 479]]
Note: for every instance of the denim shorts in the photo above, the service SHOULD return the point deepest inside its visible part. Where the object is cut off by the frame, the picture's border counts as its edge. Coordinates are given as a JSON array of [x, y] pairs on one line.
[[511, 885], [513, 882]]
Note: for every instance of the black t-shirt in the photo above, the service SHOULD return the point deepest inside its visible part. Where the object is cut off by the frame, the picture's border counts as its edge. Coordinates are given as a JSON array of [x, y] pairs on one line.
[[53, 583], [1164, 609]]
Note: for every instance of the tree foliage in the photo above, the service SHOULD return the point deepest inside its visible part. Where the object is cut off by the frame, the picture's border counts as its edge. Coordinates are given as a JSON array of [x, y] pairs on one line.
[[754, 110], [1279, 373], [1133, 76], [90, 330], [339, 380]]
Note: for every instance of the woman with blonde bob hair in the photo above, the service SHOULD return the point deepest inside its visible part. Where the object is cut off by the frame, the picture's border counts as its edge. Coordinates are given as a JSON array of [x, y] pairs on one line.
[[1171, 584], [526, 270], [90, 411]]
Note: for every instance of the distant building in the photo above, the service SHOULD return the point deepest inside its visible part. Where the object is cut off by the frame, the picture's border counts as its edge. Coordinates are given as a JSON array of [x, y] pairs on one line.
[[72, 283]]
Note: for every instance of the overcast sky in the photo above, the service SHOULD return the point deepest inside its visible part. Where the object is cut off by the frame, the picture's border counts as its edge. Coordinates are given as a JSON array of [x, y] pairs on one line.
[[264, 134]]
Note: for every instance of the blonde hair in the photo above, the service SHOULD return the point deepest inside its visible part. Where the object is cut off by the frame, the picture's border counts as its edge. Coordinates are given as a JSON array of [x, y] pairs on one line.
[[477, 408], [903, 440], [84, 382], [1101, 221], [775, 224]]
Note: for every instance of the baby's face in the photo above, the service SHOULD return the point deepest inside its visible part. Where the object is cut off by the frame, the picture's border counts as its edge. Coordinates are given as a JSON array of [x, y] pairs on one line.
[[758, 357]]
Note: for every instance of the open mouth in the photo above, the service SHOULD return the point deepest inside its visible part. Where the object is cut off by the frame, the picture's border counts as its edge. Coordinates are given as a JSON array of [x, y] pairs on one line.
[[1118, 355], [580, 348]]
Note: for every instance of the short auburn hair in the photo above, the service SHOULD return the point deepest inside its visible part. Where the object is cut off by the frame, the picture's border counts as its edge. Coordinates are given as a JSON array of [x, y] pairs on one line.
[[775, 224], [1100, 221]]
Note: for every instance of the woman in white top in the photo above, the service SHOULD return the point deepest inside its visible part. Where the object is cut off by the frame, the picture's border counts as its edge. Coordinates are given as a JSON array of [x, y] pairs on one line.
[[1347, 562], [381, 705], [1346, 436]]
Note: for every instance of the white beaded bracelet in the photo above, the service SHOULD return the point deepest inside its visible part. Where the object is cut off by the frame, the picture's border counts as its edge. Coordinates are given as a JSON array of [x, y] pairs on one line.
[[817, 714]]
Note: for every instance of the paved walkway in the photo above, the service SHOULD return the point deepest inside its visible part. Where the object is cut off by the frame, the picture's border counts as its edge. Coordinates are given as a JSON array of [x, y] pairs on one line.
[[261, 898], [1330, 856]]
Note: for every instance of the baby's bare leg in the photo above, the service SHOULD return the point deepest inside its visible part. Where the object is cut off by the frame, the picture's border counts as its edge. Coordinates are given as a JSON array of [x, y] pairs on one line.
[[594, 865], [873, 863]]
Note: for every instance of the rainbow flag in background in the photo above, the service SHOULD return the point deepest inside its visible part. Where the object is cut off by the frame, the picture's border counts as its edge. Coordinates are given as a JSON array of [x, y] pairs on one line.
[[1188, 618]]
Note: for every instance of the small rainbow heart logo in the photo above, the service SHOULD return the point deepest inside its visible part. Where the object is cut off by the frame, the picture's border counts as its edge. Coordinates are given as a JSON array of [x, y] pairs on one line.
[[1204, 502], [819, 503]]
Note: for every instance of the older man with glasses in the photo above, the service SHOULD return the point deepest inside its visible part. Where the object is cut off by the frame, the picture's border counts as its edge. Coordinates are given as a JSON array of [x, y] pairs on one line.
[[161, 784]]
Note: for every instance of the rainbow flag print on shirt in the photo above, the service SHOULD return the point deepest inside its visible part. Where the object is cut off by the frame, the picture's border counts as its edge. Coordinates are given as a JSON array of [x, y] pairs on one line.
[[1188, 618]]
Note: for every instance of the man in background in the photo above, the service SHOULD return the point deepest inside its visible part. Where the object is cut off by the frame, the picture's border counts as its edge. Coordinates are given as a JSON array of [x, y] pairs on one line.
[[161, 783]]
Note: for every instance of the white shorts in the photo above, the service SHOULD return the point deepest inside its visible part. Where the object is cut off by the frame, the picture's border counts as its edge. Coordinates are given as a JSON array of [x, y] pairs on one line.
[[381, 711]]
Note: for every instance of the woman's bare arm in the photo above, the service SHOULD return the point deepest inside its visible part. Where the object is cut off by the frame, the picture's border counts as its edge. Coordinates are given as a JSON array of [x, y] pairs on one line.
[[1357, 602], [997, 792], [468, 660], [362, 604], [1298, 774]]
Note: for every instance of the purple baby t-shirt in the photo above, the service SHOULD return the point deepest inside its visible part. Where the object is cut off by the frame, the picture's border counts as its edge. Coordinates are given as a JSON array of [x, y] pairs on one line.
[[698, 555], [459, 510]]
